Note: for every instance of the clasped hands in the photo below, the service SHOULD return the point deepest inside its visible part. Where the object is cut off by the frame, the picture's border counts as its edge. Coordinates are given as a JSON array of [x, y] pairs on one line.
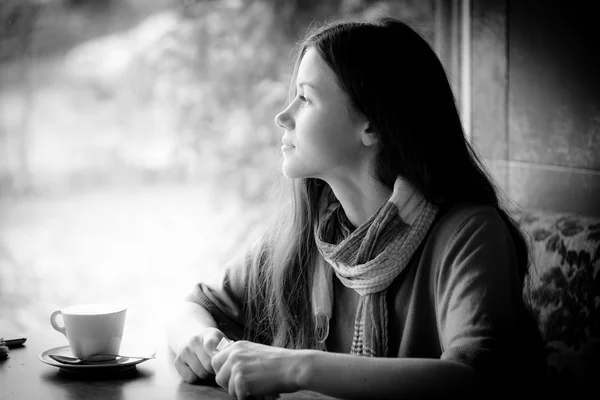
[[247, 370]]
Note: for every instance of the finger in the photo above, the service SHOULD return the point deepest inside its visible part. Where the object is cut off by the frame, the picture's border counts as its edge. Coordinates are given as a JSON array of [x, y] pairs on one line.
[[211, 341], [195, 351], [218, 359], [185, 372], [222, 355], [231, 387], [223, 374], [196, 365], [190, 359], [208, 347], [205, 360], [238, 387]]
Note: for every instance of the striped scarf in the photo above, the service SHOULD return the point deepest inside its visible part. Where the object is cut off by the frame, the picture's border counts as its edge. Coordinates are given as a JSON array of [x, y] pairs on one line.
[[367, 260]]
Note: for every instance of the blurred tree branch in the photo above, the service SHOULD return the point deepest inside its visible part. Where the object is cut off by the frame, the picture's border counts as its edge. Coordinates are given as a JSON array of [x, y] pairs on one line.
[[17, 23]]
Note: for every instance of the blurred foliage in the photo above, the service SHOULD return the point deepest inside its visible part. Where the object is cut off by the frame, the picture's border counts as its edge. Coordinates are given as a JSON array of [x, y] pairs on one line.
[[17, 21], [106, 93], [200, 85]]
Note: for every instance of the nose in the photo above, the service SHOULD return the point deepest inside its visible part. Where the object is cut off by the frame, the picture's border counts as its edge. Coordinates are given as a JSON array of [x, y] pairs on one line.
[[284, 119]]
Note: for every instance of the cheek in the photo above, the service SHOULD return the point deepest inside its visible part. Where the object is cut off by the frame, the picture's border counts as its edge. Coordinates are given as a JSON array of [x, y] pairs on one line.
[[328, 133], [338, 140]]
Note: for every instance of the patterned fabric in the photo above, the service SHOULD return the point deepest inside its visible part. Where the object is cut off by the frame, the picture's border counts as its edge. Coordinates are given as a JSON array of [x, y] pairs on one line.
[[564, 294], [369, 258]]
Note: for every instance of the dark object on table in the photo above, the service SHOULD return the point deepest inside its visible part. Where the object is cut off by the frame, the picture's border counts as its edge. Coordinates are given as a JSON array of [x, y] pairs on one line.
[[15, 341]]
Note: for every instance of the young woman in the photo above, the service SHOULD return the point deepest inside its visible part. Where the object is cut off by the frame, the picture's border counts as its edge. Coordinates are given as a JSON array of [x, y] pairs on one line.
[[392, 270]]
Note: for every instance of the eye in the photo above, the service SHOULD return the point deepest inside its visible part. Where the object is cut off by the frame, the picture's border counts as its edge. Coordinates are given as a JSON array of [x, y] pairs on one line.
[[303, 99]]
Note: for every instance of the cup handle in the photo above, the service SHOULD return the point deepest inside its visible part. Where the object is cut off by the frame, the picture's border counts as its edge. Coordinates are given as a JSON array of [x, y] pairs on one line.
[[61, 329]]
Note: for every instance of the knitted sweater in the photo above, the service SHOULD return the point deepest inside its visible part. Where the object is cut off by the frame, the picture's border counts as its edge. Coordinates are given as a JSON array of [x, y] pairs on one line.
[[458, 299]]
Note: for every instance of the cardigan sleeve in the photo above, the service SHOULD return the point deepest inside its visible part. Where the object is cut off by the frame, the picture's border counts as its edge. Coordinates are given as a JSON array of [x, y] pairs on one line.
[[223, 295], [479, 303]]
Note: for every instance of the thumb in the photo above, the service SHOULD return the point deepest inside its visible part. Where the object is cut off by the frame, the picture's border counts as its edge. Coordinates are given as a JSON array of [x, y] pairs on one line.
[[211, 339]]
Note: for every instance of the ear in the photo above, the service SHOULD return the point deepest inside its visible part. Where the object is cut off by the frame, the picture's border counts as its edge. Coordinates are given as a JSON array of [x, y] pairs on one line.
[[368, 136]]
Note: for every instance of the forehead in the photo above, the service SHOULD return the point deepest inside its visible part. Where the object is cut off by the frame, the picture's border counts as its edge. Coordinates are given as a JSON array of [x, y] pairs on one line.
[[313, 69]]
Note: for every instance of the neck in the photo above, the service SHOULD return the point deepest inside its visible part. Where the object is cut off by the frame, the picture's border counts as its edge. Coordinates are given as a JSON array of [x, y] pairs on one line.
[[360, 197]]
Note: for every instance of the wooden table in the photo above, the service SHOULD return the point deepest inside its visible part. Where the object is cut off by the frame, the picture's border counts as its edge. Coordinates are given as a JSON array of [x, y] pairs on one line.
[[24, 376]]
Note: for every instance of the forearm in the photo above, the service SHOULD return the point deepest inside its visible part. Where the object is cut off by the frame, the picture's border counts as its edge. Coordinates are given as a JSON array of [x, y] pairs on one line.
[[352, 377], [189, 319]]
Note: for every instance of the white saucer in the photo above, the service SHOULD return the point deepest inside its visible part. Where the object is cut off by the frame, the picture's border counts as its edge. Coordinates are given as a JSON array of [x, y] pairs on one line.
[[116, 365]]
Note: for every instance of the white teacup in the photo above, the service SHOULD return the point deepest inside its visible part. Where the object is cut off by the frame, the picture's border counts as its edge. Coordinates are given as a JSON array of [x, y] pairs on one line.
[[92, 329]]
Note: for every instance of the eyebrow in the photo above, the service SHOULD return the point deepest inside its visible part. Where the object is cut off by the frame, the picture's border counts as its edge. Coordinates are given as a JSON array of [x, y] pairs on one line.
[[313, 87]]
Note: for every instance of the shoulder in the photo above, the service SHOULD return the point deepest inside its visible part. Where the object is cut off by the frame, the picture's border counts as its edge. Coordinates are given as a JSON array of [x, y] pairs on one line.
[[470, 249], [467, 222], [457, 217]]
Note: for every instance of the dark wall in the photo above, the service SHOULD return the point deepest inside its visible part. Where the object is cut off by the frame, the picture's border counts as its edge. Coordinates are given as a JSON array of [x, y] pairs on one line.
[[536, 108]]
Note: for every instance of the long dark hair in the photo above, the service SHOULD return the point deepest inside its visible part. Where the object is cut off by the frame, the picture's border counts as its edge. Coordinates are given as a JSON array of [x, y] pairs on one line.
[[394, 78]]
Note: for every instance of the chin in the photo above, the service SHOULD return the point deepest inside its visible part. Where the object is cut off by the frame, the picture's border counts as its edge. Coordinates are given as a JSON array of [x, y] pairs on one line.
[[292, 171], [290, 174]]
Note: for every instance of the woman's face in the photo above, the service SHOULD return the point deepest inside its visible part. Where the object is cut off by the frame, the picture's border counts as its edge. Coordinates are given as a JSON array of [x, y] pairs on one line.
[[322, 136]]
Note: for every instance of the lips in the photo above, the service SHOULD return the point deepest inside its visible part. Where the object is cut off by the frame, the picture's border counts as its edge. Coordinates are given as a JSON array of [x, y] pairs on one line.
[[286, 143]]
